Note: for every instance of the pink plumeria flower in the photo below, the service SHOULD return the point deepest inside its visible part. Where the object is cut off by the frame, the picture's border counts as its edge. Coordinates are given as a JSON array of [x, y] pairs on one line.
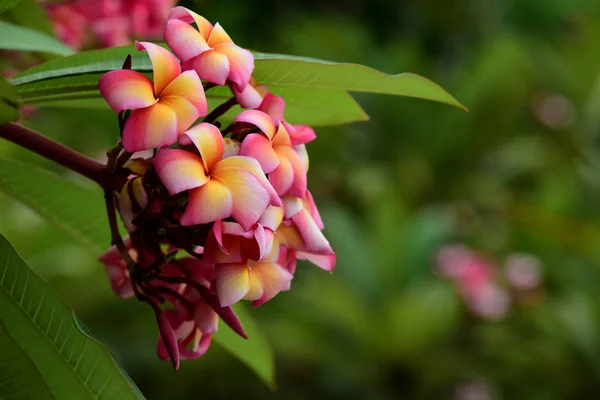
[[117, 272], [252, 96], [162, 109], [219, 187], [208, 50], [273, 149], [248, 280], [302, 231]]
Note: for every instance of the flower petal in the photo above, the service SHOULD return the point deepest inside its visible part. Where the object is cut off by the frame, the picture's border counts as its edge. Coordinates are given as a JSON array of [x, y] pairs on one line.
[[323, 261], [250, 199], [207, 320], [273, 105], [185, 41], [302, 134], [188, 86], [274, 280], [298, 184], [190, 17], [208, 140], [241, 64], [256, 287], [149, 128], [250, 97], [218, 36], [211, 66], [125, 89], [272, 217], [179, 170], [309, 204], [251, 165], [165, 65], [207, 203], [259, 119], [259, 147], [282, 178], [185, 111], [314, 240], [233, 282]]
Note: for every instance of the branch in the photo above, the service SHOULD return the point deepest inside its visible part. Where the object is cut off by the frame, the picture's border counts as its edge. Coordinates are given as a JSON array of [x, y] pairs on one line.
[[60, 154]]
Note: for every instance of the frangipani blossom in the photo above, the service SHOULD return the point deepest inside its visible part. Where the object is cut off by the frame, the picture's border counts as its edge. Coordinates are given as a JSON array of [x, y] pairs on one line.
[[251, 96], [219, 187], [208, 50], [162, 109], [273, 150], [247, 280], [117, 272], [302, 232]]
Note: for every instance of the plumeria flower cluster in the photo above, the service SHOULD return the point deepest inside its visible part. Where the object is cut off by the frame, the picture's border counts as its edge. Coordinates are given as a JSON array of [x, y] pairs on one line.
[[107, 23], [487, 290], [215, 215]]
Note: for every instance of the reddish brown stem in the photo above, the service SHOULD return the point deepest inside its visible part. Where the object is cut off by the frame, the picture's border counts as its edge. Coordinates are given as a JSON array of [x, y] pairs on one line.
[[60, 154]]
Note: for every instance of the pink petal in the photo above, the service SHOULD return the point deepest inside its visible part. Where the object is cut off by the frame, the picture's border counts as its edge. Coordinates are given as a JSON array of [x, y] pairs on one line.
[[249, 97], [259, 119], [206, 318], [185, 41], [315, 241], [298, 184], [207, 203], [185, 111], [256, 290], [208, 140], [309, 204], [188, 86], [250, 199], [282, 178], [165, 65], [190, 17], [300, 149], [226, 313], [323, 261], [302, 134], [149, 128], [125, 89], [274, 279], [211, 66], [241, 64], [292, 206], [167, 337], [233, 282], [199, 348], [259, 147], [282, 137], [273, 105], [179, 170], [272, 217], [218, 36], [251, 165]]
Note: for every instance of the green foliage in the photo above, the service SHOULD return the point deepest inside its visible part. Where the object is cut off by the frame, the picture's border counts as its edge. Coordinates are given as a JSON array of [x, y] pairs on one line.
[[15, 37], [8, 4], [50, 342], [9, 106], [80, 213], [315, 90]]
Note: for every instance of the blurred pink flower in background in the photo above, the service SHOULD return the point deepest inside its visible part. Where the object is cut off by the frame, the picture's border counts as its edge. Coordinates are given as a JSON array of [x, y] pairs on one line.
[[480, 281], [106, 23]]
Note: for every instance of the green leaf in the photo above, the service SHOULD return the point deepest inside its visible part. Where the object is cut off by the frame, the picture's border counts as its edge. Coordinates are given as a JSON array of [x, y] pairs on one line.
[[14, 37], [72, 364], [9, 107], [79, 212], [30, 14], [255, 351], [22, 379], [273, 70], [8, 4]]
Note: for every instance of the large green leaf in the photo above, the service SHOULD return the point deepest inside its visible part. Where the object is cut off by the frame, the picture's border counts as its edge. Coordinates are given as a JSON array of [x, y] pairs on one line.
[[15, 37], [21, 379], [273, 70], [72, 364], [8, 4], [79, 212]]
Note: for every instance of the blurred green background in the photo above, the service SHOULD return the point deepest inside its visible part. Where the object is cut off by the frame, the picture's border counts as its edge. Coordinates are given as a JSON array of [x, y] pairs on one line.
[[518, 173]]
